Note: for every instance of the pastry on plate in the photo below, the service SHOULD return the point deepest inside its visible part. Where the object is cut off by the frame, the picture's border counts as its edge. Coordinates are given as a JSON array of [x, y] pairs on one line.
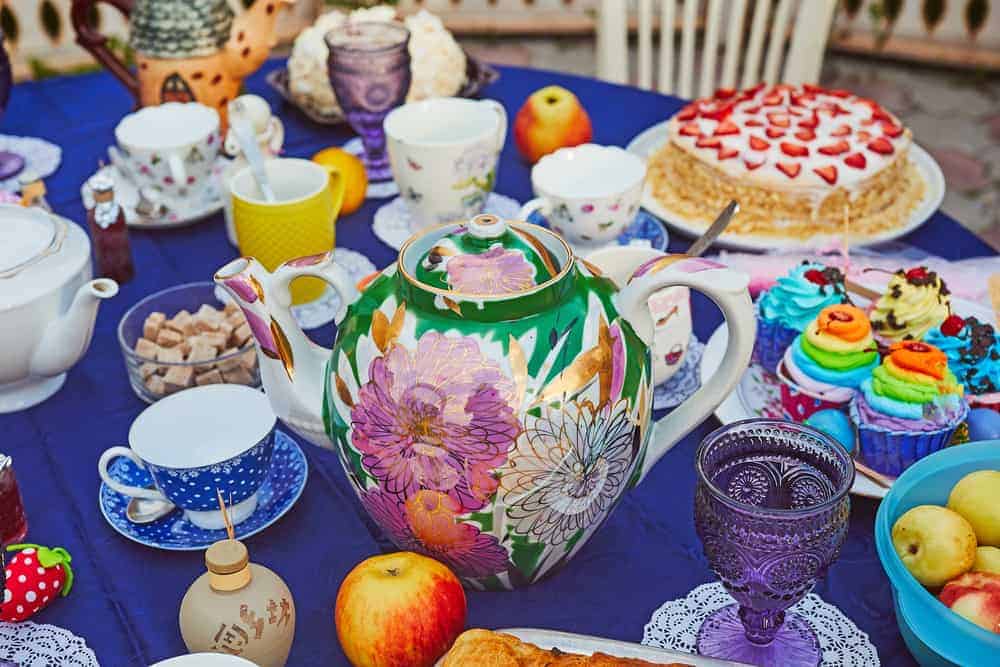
[[795, 300], [825, 365], [909, 408], [915, 301], [973, 351], [484, 648], [798, 159]]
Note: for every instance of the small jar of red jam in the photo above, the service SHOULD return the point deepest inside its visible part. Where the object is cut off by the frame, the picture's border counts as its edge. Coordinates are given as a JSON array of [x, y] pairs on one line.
[[13, 523]]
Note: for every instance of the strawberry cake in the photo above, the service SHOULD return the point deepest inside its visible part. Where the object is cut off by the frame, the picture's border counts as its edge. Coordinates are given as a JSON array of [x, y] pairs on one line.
[[797, 158]]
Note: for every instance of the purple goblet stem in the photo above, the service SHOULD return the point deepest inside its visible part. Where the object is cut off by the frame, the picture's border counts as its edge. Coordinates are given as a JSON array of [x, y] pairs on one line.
[[761, 626], [375, 156]]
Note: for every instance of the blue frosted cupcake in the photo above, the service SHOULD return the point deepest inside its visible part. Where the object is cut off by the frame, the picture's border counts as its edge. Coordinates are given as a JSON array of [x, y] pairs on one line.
[[973, 351], [795, 300]]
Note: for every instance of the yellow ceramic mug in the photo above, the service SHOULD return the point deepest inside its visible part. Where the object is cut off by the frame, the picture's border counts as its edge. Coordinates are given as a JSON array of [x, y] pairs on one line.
[[299, 223]]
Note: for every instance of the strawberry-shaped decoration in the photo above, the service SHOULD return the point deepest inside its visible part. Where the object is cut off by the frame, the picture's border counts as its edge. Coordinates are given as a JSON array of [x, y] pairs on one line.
[[789, 169], [690, 130], [779, 119], [952, 326], [842, 131], [687, 113], [890, 130], [856, 160], [774, 132], [708, 142], [880, 145], [827, 173], [805, 135], [836, 148], [726, 127], [35, 577], [758, 144], [726, 152], [793, 150]]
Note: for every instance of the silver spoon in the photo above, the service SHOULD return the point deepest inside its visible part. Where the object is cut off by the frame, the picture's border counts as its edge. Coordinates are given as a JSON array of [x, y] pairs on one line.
[[247, 140], [702, 243], [143, 510]]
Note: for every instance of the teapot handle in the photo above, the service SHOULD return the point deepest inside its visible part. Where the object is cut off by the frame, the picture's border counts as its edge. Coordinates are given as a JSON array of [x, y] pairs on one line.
[[90, 39], [728, 289]]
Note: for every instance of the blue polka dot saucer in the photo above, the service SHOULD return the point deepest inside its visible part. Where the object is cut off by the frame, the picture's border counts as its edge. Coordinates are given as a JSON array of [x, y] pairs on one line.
[[646, 230], [282, 487]]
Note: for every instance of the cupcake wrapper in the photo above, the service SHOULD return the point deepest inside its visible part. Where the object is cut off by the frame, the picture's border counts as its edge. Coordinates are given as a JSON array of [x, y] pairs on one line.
[[892, 452], [773, 338], [800, 406]]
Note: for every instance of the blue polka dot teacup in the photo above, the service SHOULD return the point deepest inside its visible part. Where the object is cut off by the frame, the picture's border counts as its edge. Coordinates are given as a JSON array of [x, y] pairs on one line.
[[198, 443]]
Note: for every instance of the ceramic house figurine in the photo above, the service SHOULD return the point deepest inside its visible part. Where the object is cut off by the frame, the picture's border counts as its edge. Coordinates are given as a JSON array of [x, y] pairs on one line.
[[239, 608], [185, 50], [270, 133]]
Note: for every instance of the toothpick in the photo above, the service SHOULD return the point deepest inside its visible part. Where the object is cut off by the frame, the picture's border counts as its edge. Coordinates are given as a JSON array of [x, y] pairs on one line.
[[230, 531]]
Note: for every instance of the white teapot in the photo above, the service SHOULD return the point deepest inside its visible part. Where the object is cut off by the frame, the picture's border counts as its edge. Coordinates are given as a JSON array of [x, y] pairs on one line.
[[48, 303]]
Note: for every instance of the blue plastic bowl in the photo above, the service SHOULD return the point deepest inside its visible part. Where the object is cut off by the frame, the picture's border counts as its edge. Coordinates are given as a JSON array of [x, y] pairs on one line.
[[935, 635]]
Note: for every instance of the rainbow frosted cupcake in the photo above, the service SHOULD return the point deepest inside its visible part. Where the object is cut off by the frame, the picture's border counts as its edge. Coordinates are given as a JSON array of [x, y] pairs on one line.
[[795, 300], [973, 351], [825, 365], [914, 302], [909, 408]]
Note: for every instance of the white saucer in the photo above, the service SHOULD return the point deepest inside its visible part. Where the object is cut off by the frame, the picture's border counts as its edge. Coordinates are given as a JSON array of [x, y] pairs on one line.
[[393, 223], [187, 212]]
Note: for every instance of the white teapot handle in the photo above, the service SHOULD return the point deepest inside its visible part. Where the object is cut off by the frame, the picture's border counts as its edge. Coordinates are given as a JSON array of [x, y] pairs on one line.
[[728, 289]]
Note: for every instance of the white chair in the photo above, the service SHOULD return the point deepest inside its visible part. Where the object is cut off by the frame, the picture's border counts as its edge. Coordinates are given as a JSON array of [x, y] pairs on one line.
[[770, 21]]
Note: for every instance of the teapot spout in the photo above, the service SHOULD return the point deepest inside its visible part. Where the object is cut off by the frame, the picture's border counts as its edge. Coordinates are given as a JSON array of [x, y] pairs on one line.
[[66, 339], [291, 366]]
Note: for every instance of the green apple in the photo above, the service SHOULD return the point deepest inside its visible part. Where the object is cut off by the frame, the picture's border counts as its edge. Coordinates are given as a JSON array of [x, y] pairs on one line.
[[987, 560], [934, 543], [977, 498]]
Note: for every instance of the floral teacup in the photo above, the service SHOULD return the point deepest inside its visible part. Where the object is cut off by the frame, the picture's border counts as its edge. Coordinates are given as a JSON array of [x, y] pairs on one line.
[[200, 441], [589, 193], [670, 308], [444, 155], [171, 147]]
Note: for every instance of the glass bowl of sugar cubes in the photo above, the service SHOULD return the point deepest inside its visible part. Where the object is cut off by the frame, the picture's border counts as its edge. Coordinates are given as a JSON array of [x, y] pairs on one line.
[[186, 336]]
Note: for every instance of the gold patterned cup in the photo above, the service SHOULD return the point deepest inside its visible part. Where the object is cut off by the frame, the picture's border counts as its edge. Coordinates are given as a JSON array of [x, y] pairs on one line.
[[299, 223]]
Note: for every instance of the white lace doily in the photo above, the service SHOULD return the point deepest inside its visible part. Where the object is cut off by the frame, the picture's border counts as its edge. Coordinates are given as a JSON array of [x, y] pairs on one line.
[[684, 382], [675, 626], [393, 220], [30, 644], [40, 158]]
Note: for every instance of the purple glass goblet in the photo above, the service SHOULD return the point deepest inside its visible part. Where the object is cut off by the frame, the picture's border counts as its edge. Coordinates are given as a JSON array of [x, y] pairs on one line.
[[771, 510], [369, 68]]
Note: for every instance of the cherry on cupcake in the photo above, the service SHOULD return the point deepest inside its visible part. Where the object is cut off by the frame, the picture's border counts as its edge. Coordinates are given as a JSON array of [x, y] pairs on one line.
[[952, 326]]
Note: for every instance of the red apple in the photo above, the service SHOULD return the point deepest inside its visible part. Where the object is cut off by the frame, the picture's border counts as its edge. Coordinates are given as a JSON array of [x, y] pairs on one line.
[[550, 119], [399, 610], [975, 596]]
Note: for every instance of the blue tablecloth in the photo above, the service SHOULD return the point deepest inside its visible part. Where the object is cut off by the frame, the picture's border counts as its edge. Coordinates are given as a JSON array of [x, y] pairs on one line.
[[126, 597]]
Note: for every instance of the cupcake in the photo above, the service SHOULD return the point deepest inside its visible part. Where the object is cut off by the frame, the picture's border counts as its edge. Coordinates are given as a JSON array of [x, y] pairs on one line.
[[909, 408], [973, 351], [795, 300], [825, 364], [915, 302]]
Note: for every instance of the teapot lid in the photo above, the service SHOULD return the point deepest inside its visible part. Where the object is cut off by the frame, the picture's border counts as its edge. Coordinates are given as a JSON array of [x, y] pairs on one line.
[[180, 28], [486, 257], [25, 238]]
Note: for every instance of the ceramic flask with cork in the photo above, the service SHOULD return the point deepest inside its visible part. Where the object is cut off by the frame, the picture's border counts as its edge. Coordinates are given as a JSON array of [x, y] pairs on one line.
[[238, 608]]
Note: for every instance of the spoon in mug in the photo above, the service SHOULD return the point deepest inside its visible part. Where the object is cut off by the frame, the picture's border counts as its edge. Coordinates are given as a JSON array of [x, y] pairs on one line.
[[247, 140], [703, 242], [142, 510]]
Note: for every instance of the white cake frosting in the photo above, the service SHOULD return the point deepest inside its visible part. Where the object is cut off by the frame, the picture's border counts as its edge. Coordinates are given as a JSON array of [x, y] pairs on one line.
[[828, 138]]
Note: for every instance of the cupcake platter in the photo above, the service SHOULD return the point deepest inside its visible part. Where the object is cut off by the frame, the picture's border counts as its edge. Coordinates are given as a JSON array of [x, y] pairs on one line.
[[758, 394]]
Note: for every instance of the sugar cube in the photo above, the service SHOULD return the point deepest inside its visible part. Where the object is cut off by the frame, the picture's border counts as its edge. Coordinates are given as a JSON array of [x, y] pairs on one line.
[[155, 385], [178, 377], [168, 337], [148, 369], [146, 348], [170, 355], [202, 351], [152, 325], [238, 375], [249, 359], [182, 322], [209, 377], [241, 335]]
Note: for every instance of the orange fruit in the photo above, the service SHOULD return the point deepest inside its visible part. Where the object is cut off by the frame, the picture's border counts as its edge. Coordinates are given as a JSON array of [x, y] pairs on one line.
[[353, 172]]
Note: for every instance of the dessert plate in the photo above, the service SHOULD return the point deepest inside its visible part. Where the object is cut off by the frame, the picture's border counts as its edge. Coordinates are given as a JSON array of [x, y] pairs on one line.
[[645, 230], [568, 642], [647, 142], [758, 394], [279, 492]]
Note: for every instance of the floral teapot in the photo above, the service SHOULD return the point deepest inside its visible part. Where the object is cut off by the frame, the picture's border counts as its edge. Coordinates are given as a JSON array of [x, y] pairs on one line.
[[489, 395], [186, 50]]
